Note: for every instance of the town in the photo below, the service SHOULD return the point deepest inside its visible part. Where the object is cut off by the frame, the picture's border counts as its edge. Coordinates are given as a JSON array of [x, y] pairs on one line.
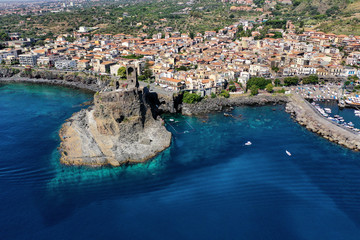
[[203, 63]]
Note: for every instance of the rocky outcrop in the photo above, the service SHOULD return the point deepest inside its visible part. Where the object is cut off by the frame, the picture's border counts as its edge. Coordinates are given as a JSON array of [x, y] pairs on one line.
[[122, 127], [6, 72], [220, 104], [306, 116]]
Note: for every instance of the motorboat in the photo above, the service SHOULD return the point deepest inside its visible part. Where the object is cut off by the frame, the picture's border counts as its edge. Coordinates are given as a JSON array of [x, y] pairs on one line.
[[248, 143]]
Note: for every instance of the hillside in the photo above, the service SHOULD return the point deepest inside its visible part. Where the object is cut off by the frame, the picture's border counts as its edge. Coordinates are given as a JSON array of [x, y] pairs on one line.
[[335, 16]]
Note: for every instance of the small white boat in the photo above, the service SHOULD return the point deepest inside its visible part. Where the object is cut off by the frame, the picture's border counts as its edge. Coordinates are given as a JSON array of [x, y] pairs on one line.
[[248, 143], [328, 110], [171, 120], [288, 153]]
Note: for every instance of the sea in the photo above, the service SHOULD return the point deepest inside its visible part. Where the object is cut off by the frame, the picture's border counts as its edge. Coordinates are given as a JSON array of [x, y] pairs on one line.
[[207, 185]]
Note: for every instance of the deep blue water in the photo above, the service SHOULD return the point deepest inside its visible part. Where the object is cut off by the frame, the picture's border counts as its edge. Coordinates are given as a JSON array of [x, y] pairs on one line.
[[207, 185]]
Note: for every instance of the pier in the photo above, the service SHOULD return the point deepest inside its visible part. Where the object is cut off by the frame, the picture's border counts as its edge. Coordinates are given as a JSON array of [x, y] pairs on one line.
[[306, 115]]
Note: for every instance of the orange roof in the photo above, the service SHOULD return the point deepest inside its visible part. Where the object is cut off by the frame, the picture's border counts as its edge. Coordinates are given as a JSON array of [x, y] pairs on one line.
[[171, 80]]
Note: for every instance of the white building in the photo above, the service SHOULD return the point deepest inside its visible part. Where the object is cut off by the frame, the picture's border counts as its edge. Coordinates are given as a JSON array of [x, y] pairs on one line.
[[65, 64], [28, 59]]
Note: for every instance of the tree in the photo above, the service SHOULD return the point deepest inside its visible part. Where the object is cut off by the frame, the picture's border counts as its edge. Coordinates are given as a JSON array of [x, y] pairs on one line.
[[277, 82], [269, 88], [122, 72], [224, 94], [191, 98], [232, 88], [275, 69], [254, 90], [40, 43], [312, 79], [192, 35], [4, 36], [260, 82], [289, 81], [213, 95], [142, 78]]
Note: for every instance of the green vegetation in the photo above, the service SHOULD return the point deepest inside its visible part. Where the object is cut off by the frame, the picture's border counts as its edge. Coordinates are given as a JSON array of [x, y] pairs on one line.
[[277, 82], [3, 36], [191, 97], [260, 82], [312, 79], [269, 88], [281, 91], [290, 81], [213, 95], [254, 90], [232, 88], [149, 17], [182, 68], [224, 94], [122, 72], [133, 56]]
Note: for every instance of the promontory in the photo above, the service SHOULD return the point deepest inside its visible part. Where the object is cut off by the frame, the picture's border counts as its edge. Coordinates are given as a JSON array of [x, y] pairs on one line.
[[121, 127]]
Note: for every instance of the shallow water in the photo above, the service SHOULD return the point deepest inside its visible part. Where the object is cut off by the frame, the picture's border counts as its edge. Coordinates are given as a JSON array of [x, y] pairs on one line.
[[207, 185]]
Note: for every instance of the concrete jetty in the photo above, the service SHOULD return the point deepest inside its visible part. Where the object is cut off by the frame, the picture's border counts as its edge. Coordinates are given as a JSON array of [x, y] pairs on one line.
[[307, 116]]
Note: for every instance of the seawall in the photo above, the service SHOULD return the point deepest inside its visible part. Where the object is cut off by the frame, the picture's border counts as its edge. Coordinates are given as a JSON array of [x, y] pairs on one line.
[[306, 116]]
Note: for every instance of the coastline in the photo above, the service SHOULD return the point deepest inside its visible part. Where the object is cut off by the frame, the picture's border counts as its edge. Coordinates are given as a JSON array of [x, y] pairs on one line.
[[224, 104], [296, 106], [53, 82]]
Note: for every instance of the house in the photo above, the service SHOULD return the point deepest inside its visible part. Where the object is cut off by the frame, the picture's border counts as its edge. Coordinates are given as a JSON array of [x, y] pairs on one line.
[[175, 84], [105, 66], [83, 64]]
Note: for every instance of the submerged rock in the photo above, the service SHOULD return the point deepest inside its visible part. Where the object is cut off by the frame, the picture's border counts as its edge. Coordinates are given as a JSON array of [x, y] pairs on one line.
[[122, 127]]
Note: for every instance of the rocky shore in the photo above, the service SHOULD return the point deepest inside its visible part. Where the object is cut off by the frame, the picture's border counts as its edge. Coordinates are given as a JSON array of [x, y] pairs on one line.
[[122, 127], [306, 116], [77, 85], [220, 104]]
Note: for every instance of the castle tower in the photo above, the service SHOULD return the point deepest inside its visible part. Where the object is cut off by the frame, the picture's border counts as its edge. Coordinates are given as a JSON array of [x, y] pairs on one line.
[[131, 75]]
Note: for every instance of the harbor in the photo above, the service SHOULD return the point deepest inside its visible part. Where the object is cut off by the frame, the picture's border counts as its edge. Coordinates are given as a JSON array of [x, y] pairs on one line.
[[316, 119]]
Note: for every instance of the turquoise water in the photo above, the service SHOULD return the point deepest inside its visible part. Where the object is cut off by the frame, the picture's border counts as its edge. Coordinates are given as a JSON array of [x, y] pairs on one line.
[[207, 185]]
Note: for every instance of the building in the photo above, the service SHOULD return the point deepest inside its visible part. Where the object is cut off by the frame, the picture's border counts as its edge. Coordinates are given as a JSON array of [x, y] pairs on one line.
[[65, 64], [28, 60]]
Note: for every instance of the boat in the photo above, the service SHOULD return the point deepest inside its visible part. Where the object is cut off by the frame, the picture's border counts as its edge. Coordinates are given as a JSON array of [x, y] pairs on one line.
[[288, 153], [328, 110], [171, 120], [248, 143]]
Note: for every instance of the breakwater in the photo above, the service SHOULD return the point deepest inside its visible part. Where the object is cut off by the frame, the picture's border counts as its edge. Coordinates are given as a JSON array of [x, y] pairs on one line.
[[306, 116]]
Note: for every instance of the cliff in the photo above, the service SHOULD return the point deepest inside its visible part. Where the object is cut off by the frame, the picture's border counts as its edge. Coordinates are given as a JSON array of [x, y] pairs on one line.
[[306, 116], [122, 127]]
